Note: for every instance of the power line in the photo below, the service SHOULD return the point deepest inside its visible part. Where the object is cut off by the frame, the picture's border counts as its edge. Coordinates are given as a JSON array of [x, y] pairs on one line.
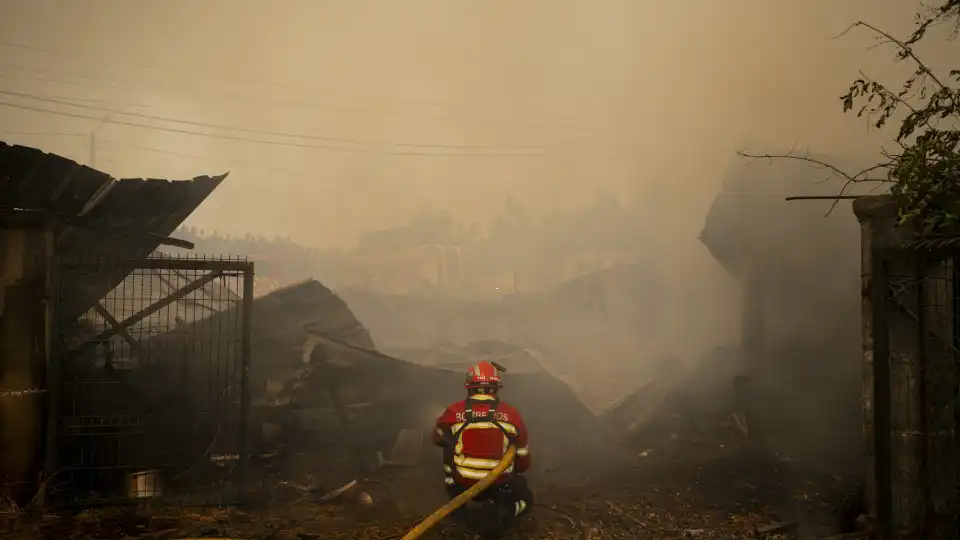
[[209, 94], [45, 133], [256, 141], [200, 158], [107, 101], [194, 93], [66, 54], [50, 99], [62, 54]]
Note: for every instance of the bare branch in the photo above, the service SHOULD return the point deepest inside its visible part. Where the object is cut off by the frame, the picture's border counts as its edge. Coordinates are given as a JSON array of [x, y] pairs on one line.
[[857, 178]]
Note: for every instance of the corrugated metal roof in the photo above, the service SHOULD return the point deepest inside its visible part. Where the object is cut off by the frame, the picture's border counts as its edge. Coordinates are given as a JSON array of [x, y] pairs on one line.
[[32, 179]]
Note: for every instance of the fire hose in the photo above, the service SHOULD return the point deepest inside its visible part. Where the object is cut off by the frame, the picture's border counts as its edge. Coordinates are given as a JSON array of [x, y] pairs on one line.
[[464, 497]]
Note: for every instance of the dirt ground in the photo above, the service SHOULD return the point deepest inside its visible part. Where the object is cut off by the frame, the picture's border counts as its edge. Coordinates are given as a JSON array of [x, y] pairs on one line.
[[729, 493]]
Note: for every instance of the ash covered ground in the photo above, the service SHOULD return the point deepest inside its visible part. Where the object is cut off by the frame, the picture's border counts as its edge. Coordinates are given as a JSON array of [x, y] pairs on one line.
[[683, 472], [697, 489]]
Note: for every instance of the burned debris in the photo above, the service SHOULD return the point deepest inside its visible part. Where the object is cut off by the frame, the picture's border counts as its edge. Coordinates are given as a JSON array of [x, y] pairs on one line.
[[162, 379], [72, 326]]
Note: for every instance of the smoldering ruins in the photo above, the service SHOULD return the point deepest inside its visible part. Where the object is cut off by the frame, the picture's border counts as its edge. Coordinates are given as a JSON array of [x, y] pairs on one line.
[[365, 199], [166, 376]]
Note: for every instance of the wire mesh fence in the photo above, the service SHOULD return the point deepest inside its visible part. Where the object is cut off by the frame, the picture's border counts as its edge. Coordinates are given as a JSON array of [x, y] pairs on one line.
[[150, 395]]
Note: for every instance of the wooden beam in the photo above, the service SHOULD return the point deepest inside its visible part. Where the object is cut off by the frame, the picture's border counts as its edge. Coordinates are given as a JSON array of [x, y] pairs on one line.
[[822, 197]]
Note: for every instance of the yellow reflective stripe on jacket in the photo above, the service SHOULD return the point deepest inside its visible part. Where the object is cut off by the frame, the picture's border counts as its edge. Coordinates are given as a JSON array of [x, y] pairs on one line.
[[478, 474], [507, 426], [476, 463], [471, 473]]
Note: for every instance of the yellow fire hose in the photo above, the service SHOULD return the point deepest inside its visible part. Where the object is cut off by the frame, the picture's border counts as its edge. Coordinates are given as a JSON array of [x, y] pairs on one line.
[[464, 497]]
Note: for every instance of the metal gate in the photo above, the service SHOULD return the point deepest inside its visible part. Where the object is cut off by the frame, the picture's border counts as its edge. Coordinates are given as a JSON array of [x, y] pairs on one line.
[[915, 330], [149, 369]]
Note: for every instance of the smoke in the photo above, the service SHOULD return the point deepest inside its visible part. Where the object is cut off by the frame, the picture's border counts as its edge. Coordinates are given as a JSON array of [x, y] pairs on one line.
[[458, 105], [617, 95]]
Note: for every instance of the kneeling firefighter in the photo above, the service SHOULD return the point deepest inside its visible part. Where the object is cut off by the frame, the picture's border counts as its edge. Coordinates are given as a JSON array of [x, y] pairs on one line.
[[475, 433]]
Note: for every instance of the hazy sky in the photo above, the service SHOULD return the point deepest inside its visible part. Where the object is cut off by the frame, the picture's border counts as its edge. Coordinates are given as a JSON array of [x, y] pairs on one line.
[[648, 99]]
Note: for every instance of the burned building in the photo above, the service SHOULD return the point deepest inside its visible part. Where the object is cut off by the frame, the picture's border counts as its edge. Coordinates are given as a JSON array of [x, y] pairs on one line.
[[799, 270], [320, 388], [70, 236]]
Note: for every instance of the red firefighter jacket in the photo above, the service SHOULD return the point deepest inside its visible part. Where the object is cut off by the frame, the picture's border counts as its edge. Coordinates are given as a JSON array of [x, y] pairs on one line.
[[475, 434]]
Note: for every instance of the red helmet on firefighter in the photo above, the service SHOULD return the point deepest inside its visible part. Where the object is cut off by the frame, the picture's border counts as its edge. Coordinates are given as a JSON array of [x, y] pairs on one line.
[[483, 375]]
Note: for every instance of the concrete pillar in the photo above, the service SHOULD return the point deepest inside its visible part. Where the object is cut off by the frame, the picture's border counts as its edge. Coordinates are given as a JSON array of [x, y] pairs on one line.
[[878, 217], [25, 249]]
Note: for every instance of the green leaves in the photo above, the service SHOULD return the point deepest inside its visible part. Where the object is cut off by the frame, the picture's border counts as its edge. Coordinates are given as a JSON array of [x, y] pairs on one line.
[[926, 171]]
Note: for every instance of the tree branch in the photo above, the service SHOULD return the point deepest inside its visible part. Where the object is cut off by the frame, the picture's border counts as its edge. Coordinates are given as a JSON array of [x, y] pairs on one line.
[[905, 50], [857, 178], [936, 16], [851, 178], [882, 88]]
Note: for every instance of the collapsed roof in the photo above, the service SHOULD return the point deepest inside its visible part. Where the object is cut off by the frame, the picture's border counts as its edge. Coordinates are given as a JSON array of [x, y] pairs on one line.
[[549, 332], [384, 394], [102, 217]]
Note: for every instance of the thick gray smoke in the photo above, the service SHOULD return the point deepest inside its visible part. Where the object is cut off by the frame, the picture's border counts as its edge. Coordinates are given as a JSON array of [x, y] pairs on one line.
[[457, 106]]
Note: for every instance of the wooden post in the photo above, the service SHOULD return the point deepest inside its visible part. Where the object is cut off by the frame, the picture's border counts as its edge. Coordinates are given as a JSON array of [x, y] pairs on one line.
[[26, 247]]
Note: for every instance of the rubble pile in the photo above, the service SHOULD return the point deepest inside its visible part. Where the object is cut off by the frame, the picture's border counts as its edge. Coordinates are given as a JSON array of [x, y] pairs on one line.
[[339, 441], [329, 407], [695, 403]]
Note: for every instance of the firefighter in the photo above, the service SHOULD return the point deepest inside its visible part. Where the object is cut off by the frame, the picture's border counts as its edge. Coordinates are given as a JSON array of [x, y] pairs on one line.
[[474, 434]]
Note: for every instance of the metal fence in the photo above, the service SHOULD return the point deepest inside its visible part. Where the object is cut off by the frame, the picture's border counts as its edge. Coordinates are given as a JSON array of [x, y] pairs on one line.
[[915, 304], [150, 395]]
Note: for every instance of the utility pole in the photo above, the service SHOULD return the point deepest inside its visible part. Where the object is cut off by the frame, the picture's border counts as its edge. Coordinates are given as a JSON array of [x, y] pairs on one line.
[[93, 142]]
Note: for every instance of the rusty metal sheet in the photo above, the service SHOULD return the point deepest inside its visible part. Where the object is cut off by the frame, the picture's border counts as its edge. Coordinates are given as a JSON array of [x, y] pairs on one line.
[[35, 180]]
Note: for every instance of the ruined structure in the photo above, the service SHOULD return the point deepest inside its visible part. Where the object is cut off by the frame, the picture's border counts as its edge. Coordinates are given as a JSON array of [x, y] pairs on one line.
[[54, 209], [606, 318], [800, 311], [321, 388]]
